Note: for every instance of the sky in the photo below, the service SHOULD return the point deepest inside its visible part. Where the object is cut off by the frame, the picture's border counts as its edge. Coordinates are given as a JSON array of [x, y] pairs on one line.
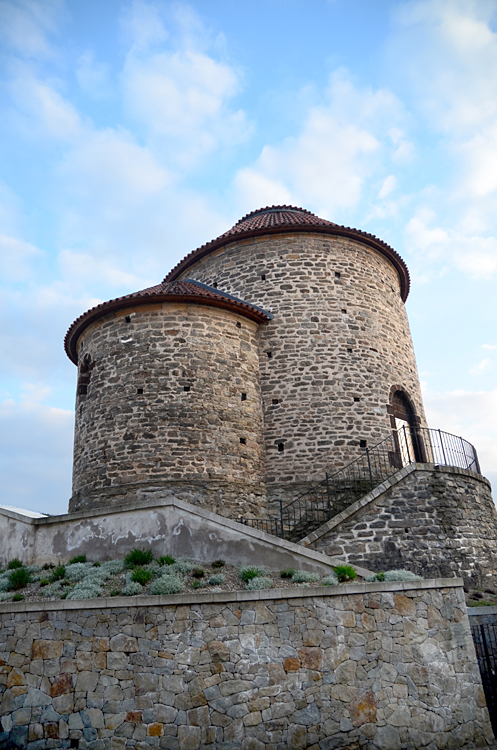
[[133, 132]]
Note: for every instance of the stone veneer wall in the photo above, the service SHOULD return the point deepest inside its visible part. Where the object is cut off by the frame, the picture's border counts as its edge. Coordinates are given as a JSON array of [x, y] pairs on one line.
[[385, 666], [319, 317], [128, 443], [432, 520]]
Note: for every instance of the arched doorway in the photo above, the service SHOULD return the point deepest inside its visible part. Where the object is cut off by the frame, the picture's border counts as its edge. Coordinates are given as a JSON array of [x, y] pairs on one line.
[[404, 423]]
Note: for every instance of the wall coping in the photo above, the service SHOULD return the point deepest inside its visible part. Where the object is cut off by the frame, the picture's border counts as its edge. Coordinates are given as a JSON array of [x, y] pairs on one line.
[[396, 478], [475, 611], [181, 505], [212, 597]]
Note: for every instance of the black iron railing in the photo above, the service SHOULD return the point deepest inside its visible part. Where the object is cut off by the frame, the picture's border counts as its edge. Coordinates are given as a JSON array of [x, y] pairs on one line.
[[342, 488], [485, 640]]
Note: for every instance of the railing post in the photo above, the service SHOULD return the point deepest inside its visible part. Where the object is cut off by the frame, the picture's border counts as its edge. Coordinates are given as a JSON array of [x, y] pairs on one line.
[[281, 516], [369, 469], [329, 497], [442, 446]]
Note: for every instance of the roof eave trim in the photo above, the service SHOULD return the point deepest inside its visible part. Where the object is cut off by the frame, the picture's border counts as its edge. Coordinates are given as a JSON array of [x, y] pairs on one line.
[[355, 234], [81, 323]]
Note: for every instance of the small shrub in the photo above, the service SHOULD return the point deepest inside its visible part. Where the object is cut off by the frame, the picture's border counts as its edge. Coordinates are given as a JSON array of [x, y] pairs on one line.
[[181, 567], [138, 557], [303, 576], [48, 566], [132, 589], [44, 582], [216, 579], [116, 592], [198, 572], [33, 569], [141, 576], [345, 573], [96, 564], [85, 590], [248, 572], [166, 560], [77, 559], [401, 575], [380, 576], [288, 573], [5, 596], [167, 584], [59, 573], [64, 595], [218, 564], [259, 583], [77, 571], [112, 567], [18, 579], [17, 598], [199, 584], [15, 563], [53, 589], [330, 580]]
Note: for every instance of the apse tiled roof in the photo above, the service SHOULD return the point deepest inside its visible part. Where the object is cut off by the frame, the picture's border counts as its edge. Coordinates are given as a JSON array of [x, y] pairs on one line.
[[281, 219], [189, 290]]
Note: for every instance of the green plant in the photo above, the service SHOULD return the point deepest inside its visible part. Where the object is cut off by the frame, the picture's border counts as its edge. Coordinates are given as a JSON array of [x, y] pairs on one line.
[[138, 557], [18, 579], [345, 573], [132, 588], [303, 576], [48, 566], [44, 582], [166, 560], [116, 592], [380, 576], [15, 563], [141, 576], [199, 584], [96, 564], [248, 572], [167, 584], [330, 580], [288, 573], [401, 575], [198, 572], [64, 595], [218, 564], [85, 590], [59, 573], [259, 583], [17, 598], [77, 559], [216, 579]]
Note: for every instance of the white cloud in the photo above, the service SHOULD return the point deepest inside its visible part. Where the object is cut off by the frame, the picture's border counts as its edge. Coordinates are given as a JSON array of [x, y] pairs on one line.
[[25, 24], [341, 145], [389, 184], [42, 109], [93, 77], [16, 258], [477, 369], [488, 346]]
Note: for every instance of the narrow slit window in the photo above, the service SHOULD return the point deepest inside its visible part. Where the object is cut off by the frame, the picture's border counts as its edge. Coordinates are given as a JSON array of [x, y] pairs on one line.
[[214, 284], [263, 277], [356, 399], [344, 312], [349, 351], [244, 396], [269, 354], [243, 441], [281, 447], [238, 325], [128, 319], [363, 444], [139, 391], [276, 401], [186, 388], [337, 275]]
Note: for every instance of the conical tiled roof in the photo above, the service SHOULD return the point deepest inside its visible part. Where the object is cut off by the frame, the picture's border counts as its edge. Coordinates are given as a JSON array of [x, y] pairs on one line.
[[189, 290], [281, 219]]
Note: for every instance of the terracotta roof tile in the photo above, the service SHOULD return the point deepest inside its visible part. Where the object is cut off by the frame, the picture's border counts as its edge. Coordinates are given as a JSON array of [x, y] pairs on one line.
[[278, 219], [188, 290]]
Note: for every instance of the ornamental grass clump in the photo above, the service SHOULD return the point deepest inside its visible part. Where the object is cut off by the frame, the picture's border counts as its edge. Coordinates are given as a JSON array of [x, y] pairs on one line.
[[167, 584], [77, 559], [18, 579], [218, 564], [138, 557], [141, 576], [345, 573], [259, 583], [249, 572], [58, 574], [166, 560], [15, 563], [303, 576], [288, 573]]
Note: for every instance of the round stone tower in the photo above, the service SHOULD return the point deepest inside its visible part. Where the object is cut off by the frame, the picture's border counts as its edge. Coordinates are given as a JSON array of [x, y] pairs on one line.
[[336, 362], [168, 400]]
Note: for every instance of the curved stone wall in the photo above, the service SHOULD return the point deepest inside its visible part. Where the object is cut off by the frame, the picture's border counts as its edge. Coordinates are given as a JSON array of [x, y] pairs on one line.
[[338, 342], [169, 400]]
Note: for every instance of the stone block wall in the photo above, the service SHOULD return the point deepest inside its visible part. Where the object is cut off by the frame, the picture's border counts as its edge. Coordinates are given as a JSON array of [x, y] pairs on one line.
[[339, 333], [379, 667], [173, 400], [432, 520]]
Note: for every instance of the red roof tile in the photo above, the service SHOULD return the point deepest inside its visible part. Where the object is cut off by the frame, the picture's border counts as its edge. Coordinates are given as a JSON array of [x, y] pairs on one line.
[[193, 292], [280, 219]]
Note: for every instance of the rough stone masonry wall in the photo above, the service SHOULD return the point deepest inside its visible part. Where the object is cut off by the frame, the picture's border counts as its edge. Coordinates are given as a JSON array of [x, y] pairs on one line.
[[435, 521], [371, 667], [333, 339], [164, 409]]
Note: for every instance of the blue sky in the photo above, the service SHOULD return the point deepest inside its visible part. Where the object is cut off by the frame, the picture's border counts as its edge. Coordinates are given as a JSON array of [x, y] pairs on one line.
[[133, 132]]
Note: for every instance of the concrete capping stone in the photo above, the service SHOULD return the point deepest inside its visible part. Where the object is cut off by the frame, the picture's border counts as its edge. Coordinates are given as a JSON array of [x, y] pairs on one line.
[[396, 478], [475, 611], [120, 602]]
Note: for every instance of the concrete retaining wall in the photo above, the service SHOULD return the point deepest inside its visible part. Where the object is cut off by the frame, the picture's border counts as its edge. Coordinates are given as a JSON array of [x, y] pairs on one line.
[[373, 666]]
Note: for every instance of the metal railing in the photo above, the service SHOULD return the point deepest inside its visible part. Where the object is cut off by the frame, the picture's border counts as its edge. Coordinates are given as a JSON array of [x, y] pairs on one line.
[[485, 640], [337, 491]]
